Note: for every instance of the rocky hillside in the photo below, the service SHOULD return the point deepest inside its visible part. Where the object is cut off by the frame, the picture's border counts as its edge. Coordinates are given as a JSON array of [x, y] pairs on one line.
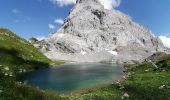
[[93, 34]]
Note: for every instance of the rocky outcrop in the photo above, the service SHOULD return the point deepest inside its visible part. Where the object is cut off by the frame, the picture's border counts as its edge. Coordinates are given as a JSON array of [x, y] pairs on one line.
[[93, 34]]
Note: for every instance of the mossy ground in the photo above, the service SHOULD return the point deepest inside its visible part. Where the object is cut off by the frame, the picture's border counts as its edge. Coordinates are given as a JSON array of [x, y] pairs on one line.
[[145, 82]]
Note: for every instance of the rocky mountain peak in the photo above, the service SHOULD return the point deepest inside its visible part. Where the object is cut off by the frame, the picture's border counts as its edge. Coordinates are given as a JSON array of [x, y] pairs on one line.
[[85, 1], [93, 34]]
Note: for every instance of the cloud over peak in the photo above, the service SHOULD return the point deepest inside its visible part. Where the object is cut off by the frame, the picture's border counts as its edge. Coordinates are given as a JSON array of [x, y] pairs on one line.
[[62, 3], [39, 38], [51, 26], [165, 40], [108, 4], [59, 21]]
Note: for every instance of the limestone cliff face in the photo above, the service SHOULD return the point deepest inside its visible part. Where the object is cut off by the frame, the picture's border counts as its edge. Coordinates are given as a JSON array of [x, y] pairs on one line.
[[93, 34]]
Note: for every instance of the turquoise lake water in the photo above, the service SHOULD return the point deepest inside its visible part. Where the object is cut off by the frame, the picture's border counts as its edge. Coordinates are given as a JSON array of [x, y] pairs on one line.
[[70, 77]]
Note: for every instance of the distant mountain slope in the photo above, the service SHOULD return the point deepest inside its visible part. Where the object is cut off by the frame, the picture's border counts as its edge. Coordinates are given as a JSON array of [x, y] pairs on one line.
[[94, 34], [17, 54]]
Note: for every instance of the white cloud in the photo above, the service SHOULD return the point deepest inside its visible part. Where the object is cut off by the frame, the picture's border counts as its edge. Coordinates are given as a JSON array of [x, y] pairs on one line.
[[62, 3], [59, 21], [165, 40], [116, 3], [108, 4], [51, 26], [15, 11]]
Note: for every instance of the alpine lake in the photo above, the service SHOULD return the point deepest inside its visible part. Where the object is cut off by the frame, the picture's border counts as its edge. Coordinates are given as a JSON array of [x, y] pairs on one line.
[[74, 76]]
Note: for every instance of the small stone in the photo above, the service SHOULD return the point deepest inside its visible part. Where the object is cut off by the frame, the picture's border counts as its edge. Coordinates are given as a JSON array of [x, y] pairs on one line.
[[19, 82], [118, 82], [122, 87], [122, 97], [126, 95], [129, 74], [124, 77], [24, 70], [162, 86], [147, 70], [20, 70], [1, 91], [11, 74], [164, 70], [6, 68], [6, 74]]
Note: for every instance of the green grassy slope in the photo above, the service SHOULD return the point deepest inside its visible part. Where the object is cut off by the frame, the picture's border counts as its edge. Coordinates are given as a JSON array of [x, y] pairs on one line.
[[149, 83], [16, 56]]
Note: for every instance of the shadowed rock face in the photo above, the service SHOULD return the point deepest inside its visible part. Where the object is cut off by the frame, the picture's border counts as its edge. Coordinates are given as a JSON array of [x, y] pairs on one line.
[[93, 34]]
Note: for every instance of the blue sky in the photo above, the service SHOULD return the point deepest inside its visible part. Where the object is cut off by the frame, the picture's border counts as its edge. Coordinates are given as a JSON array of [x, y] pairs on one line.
[[36, 18], [153, 14]]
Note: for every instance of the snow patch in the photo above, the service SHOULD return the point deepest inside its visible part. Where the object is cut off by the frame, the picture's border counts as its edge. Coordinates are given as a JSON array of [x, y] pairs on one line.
[[57, 35], [60, 35], [113, 52], [83, 52]]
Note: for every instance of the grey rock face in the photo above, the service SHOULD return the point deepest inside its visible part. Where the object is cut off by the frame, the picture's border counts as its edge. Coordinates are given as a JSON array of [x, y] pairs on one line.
[[93, 34]]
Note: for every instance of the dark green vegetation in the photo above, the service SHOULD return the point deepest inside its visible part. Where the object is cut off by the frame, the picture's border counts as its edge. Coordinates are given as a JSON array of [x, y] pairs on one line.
[[148, 82], [145, 82], [18, 56]]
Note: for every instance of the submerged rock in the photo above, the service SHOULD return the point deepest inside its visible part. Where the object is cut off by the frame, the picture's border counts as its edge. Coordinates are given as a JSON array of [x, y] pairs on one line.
[[93, 34]]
